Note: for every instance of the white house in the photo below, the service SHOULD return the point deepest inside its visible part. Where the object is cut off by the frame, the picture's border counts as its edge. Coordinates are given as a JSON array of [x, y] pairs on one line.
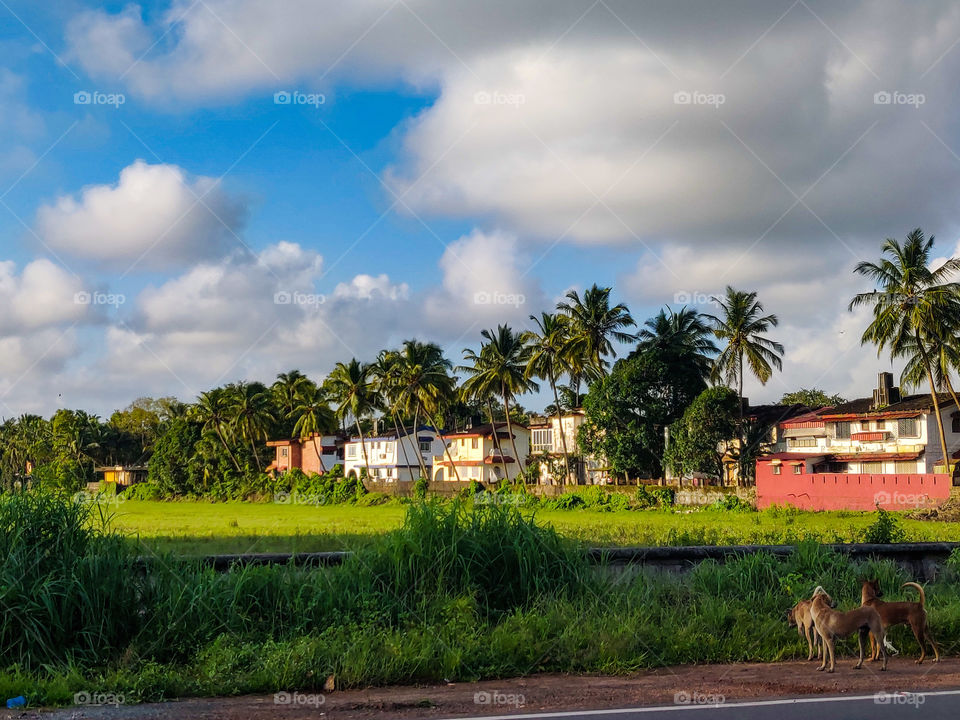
[[547, 435], [391, 459]]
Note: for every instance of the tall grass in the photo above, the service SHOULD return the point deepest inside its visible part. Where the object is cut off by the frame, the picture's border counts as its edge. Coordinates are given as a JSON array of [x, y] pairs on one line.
[[460, 591]]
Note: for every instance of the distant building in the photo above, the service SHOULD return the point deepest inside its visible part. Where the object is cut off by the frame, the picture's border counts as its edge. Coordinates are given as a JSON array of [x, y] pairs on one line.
[[392, 458], [314, 455], [484, 453], [546, 442], [121, 476]]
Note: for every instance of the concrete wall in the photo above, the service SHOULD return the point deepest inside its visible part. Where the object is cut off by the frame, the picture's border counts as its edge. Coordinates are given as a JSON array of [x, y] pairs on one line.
[[825, 491]]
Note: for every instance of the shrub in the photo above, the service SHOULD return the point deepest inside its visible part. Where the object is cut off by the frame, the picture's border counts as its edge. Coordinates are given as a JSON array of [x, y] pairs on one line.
[[420, 487], [731, 501], [143, 491], [885, 529]]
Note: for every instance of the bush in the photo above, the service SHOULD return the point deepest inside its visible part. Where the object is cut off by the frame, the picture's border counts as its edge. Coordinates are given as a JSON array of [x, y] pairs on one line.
[[885, 529], [731, 501], [650, 496], [143, 491], [420, 487]]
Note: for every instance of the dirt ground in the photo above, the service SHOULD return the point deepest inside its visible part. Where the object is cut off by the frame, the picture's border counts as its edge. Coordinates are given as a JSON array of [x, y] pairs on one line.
[[690, 683]]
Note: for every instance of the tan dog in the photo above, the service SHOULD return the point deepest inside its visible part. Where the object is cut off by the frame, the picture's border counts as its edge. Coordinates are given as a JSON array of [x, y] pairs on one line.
[[800, 616], [913, 614], [833, 624]]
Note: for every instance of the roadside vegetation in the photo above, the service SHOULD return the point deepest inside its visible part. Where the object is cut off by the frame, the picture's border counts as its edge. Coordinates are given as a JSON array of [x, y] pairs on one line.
[[459, 591]]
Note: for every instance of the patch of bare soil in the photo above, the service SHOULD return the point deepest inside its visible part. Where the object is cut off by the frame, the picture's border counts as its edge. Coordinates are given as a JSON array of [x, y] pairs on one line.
[[688, 683], [948, 512]]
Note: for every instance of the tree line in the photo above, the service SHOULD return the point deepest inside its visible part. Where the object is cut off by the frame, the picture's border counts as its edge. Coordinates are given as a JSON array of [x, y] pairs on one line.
[[684, 374]]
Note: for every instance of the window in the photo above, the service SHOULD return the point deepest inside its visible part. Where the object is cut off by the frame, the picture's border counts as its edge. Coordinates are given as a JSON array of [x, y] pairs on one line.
[[425, 446], [475, 443], [798, 469], [842, 430], [283, 452], [802, 442], [871, 468], [351, 451], [542, 440], [389, 472], [908, 427], [906, 467], [777, 470]]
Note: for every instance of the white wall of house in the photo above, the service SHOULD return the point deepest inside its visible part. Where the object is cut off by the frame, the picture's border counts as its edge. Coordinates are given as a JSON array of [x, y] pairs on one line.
[[468, 453], [392, 460]]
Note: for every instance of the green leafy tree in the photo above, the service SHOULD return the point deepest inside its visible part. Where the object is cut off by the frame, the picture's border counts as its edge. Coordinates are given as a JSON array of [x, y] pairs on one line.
[[681, 338], [251, 415], [699, 440], [813, 397], [353, 388], [594, 325], [175, 467], [626, 413], [914, 307]]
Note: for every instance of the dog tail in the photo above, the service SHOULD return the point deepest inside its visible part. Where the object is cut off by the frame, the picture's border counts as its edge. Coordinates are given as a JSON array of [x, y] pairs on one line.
[[919, 589], [818, 590], [889, 646]]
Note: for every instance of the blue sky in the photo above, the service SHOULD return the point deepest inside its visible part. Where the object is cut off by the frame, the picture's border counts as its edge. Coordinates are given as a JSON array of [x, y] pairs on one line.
[[462, 152]]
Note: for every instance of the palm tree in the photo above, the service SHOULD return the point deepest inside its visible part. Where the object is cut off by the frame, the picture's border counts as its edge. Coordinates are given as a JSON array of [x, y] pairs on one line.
[[251, 407], [385, 371], [569, 400], [679, 337], [212, 411], [501, 364], [355, 392], [914, 307], [547, 362], [426, 387], [593, 324], [740, 327], [312, 411]]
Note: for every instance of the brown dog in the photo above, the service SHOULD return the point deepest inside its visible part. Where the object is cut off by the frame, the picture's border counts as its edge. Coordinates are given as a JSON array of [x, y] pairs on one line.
[[913, 614], [800, 616], [832, 624]]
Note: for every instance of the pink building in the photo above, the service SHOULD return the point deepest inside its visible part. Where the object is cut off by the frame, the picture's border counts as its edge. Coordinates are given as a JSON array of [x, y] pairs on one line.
[[314, 455]]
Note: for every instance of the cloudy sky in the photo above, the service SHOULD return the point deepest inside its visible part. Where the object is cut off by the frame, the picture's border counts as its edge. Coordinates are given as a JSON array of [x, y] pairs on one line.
[[199, 191]]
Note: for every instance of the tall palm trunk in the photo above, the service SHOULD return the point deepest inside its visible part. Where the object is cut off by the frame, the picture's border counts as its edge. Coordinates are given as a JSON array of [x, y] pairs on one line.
[[936, 400], [420, 462], [740, 430], [446, 448], [363, 447], [496, 436], [256, 456], [563, 435], [223, 440], [513, 439], [403, 447]]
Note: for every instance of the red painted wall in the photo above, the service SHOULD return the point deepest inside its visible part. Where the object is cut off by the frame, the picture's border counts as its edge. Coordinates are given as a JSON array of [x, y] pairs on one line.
[[823, 491]]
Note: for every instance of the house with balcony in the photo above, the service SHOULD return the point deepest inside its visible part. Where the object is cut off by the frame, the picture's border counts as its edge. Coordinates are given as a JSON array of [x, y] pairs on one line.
[[854, 455], [484, 453], [314, 454], [547, 436], [393, 456]]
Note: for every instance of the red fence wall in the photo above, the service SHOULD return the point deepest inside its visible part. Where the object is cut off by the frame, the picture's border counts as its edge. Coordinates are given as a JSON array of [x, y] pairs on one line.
[[823, 491]]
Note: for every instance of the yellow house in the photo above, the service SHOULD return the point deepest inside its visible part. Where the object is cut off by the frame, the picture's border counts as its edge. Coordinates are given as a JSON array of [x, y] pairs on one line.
[[122, 476], [484, 453]]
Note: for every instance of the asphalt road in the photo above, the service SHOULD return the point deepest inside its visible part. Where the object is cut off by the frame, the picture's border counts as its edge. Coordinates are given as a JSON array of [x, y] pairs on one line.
[[942, 705]]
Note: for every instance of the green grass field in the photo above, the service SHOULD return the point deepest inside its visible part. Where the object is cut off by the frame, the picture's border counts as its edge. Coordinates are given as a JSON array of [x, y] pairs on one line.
[[199, 528]]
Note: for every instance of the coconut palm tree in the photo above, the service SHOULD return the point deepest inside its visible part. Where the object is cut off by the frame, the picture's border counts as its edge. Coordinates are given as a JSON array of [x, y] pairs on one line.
[[312, 411], [593, 326], [547, 362], [212, 411], [353, 389], [287, 390], [914, 307], [385, 371], [679, 337], [740, 328], [426, 386], [501, 366], [252, 414]]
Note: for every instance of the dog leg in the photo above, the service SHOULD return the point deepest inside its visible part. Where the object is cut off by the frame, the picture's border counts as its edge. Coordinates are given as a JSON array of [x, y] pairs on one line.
[[874, 653], [918, 634], [860, 635], [928, 636], [882, 639], [832, 648], [825, 643]]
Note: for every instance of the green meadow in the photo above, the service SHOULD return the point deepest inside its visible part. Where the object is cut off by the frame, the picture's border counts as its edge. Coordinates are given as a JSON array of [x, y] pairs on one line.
[[204, 528]]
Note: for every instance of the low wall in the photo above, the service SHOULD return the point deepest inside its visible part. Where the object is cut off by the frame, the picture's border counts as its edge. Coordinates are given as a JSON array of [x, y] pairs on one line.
[[827, 491], [921, 560]]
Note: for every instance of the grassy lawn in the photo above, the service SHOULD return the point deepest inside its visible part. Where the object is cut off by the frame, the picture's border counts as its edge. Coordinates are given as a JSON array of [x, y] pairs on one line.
[[197, 528]]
